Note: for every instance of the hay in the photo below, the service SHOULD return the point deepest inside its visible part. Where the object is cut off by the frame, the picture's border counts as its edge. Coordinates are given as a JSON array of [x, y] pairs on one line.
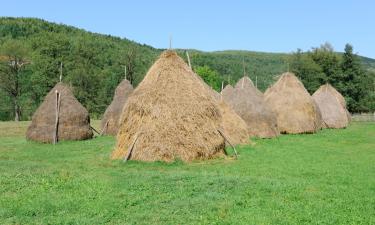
[[227, 91], [295, 109], [342, 102], [172, 115], [74, 120], [111, 117], [332, 107], [248, 102], [233, 125]]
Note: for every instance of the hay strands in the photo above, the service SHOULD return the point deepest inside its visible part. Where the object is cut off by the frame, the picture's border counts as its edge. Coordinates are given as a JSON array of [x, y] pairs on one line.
[[130, 150], [227, 140]]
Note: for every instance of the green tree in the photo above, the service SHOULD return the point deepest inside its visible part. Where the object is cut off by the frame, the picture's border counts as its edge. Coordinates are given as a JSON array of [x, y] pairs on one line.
[[358, 82], [14, 60], [210, 76], [310, 73]]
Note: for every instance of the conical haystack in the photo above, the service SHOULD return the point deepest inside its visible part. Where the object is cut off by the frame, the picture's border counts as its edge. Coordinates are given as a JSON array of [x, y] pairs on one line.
[[232, 124], [74, 120], [295, 109], [111, 118], [332, 106], [342, 102], [228, 91], [248, 102], [170, 115]]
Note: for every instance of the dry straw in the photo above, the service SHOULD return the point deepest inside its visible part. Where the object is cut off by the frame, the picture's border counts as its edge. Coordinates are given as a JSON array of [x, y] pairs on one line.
[[170, 115], [248, 102], [295, 109], [73, 118], [111, 118], [332, 106]]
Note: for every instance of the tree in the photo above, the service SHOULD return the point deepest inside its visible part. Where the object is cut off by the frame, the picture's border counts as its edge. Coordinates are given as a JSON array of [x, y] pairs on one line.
[[14, 60], [357, 79], [306, 69], [210, 76], [130, 63]]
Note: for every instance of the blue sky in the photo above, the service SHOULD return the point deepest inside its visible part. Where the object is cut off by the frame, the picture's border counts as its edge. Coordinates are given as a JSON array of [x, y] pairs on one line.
[[271, 26]]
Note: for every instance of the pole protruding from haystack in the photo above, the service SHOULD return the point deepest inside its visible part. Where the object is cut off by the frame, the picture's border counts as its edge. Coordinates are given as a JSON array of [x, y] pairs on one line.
[[61, 65], [243, 66], [188, 58], [125, 71], [227, 140], [170, 42], [55, 133], [256, 81]]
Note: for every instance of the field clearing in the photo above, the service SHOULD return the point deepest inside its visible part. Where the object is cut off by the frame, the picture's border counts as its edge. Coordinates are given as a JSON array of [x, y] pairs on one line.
[[323, 178]]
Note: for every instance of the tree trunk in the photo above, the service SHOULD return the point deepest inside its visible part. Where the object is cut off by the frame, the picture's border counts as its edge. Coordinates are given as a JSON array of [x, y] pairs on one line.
[[17, 111]]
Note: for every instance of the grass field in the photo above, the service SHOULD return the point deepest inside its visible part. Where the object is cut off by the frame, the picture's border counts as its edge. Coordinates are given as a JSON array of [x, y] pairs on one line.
[[324, 178]]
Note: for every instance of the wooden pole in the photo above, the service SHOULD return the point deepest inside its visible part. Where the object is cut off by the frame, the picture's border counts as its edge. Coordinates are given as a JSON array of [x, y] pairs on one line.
[[243, 67], [227, 140], [55, 134], [92, 128], [256, 81], [104, 128], [130, 150], [125, 71], [61, 64], [170, 42], [187, 55]]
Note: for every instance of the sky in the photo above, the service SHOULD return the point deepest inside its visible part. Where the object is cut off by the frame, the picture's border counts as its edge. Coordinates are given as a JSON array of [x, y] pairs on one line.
[[209, 25]]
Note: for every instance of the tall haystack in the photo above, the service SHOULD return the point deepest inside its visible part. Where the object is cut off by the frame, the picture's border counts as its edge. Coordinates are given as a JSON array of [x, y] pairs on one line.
[[332, 106], [73, 118], [248, 102], [170, 115], [295, 109], [111, 118]]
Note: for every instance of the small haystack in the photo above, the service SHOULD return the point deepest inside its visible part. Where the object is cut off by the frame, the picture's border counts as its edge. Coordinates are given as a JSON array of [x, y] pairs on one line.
[[170, 115], [227, 91], [73, 122], [232, 124], [295, 109], [248, 102], [111, 118], [332, 106]]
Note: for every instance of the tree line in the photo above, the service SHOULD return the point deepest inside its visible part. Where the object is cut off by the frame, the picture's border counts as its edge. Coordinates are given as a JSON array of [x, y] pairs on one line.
[[343, 71], [32, 52]]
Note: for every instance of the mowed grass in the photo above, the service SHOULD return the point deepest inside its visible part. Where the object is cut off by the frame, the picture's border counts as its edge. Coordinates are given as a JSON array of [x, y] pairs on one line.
[[324, 178]]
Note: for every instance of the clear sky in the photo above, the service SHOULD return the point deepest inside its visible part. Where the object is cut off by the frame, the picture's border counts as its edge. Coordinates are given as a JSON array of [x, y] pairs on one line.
[[271, 26]]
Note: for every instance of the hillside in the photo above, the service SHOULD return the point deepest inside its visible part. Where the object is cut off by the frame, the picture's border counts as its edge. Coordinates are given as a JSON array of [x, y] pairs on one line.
[[94, 63]]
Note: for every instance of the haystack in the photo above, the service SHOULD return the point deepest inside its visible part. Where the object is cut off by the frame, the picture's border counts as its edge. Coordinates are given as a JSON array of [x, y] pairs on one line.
[[248, 102], [232, 124], [332, 106], [170, 115], [111, 118], [295, 109], [227, 92], [74, 120]]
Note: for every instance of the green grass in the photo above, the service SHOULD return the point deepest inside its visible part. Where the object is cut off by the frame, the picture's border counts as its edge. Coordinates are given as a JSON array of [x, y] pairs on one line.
[[324, 178]]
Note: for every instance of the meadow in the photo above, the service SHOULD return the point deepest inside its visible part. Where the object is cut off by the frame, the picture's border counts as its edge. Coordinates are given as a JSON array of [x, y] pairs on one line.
[[323, 178]]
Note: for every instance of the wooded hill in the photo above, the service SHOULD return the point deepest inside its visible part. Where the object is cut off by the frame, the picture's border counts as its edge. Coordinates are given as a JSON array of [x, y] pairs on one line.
[[94, 64]]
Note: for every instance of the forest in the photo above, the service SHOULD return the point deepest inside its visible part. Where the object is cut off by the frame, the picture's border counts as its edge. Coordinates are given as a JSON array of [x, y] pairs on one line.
[[34, 53]]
